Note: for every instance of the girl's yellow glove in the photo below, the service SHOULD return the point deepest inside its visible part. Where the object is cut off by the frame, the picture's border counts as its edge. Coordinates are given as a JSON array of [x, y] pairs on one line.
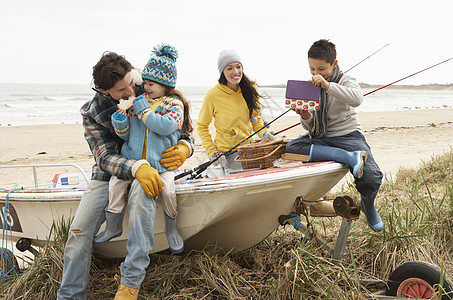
[[175, 156]]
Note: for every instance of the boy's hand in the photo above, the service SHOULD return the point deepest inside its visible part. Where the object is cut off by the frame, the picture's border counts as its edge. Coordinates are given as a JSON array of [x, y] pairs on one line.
[[318, 80], [304, 114]]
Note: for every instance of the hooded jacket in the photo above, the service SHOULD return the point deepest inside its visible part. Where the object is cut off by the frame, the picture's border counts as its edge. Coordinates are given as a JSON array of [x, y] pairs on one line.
[[231, 119]]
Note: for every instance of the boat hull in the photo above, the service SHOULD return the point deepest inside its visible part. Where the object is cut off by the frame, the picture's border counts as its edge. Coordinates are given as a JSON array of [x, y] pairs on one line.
[[233, 211]]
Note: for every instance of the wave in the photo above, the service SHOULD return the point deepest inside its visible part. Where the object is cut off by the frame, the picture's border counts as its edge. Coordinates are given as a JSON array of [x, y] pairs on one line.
[[4, 105]]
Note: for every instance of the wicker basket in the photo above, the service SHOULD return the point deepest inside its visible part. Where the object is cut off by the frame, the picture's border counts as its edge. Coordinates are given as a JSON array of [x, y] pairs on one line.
[[260, 155]]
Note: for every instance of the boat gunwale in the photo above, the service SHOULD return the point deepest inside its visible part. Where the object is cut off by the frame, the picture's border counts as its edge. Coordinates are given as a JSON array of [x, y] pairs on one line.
[[235, 181]]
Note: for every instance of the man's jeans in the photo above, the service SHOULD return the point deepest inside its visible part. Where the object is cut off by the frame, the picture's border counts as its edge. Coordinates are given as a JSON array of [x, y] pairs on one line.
[[371, 180], [88, 219]]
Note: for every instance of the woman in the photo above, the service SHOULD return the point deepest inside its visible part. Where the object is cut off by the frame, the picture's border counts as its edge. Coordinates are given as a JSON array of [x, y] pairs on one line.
[[235, 106]]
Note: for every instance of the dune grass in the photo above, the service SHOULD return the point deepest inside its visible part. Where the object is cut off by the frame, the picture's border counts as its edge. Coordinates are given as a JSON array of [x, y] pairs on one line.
[[416, 207]]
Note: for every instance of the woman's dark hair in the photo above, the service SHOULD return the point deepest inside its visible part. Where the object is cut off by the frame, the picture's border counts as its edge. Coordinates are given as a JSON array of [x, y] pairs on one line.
[[250, 94], [110, 69]]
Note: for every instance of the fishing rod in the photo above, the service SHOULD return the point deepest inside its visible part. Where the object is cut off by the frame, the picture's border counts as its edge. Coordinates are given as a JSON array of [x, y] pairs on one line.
[[196, 172], [408, 76], [366, 58], [382, 87]]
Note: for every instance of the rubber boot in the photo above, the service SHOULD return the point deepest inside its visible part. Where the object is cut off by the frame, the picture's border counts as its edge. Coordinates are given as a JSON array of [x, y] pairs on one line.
[[126, 293], [372, 216], [174, 239], [113, 228], [356, 159]]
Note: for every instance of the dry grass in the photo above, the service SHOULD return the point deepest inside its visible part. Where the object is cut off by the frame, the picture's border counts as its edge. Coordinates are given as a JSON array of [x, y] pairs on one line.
[[417, 210]]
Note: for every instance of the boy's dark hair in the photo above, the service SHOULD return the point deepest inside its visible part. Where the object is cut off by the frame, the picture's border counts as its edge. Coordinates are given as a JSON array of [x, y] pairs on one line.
[[110, 69], [323, 49], [251, 96]]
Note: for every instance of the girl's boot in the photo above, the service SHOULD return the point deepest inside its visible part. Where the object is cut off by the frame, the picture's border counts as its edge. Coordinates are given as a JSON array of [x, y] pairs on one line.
[[174, 239], [113, 228], [356, 159]]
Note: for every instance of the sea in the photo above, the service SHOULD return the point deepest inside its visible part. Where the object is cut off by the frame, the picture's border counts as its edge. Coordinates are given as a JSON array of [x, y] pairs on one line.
[[45, 104]]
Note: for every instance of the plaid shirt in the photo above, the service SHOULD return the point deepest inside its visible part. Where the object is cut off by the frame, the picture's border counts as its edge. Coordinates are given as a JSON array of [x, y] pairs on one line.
[[103, 141]]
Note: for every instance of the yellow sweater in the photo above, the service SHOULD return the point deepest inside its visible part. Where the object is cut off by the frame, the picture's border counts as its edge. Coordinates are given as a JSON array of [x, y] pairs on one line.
[[231, 119]]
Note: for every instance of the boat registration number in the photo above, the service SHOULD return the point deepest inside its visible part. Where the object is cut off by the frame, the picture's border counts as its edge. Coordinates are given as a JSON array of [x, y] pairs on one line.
[[9, 218]]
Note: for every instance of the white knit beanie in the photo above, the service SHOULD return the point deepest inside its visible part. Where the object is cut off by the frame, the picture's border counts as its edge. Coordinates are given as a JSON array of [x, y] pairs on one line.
[[226, 57]]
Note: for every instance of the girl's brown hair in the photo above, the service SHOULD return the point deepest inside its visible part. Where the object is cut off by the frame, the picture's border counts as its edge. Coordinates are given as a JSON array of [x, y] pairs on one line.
[[187, 123]]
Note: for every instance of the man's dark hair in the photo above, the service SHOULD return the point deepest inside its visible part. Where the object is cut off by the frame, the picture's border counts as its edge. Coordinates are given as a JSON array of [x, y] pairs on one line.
[[110, 69], [323, 49]]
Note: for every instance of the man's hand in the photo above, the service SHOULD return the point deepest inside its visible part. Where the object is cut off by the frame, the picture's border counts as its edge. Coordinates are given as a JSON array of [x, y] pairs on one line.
[[175, 156], [150, 180]]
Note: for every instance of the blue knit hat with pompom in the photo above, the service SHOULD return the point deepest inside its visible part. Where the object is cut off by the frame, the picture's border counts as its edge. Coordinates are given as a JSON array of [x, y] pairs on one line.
[[161, 67]]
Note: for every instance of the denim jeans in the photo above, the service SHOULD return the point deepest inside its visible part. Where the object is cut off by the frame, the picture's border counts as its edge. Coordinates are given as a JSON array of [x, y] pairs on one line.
[[87, 221], [369, 183]]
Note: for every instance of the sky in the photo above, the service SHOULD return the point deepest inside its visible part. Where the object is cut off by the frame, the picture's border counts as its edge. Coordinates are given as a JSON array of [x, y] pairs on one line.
[[59, 41]]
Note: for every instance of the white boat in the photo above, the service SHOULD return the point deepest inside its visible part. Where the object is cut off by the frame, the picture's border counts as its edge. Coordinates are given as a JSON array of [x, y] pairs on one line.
[[234, 211]]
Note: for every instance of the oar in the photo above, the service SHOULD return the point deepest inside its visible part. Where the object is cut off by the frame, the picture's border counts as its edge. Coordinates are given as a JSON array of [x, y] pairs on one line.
[[382, 87], [196, 172]]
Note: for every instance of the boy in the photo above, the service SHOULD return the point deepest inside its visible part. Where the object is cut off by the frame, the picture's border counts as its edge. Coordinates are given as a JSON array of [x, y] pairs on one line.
[[334, 132]]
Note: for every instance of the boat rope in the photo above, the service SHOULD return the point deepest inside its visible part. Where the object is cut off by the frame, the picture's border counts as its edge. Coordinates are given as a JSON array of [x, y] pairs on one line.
[[297, 223], [6, 226]]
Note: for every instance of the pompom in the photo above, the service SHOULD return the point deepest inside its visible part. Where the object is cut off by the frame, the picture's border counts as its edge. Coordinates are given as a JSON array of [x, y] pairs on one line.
[[166, 50], [253, 120]]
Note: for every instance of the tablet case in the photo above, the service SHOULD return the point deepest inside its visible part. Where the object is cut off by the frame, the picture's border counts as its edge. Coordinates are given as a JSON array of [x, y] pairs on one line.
[[302, 90], [302, 94]]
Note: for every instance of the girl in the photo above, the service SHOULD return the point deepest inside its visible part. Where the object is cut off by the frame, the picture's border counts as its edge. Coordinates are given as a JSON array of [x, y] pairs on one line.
[[153, 124], [234, 104]]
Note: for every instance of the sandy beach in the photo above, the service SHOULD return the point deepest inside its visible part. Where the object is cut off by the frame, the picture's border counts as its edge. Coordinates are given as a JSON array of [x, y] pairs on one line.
[[397, 139]]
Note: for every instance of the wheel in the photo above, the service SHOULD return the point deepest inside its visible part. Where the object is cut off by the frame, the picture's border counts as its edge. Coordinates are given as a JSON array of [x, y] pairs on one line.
[[9, 266], [418, 279], [23, 244]]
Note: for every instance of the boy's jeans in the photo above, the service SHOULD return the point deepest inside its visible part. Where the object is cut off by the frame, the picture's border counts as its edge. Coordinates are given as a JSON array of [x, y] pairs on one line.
[[371, 180], [88, 219]]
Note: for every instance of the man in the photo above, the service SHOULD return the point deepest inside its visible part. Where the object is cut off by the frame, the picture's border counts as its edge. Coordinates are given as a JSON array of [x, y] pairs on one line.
[[113, 80]]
